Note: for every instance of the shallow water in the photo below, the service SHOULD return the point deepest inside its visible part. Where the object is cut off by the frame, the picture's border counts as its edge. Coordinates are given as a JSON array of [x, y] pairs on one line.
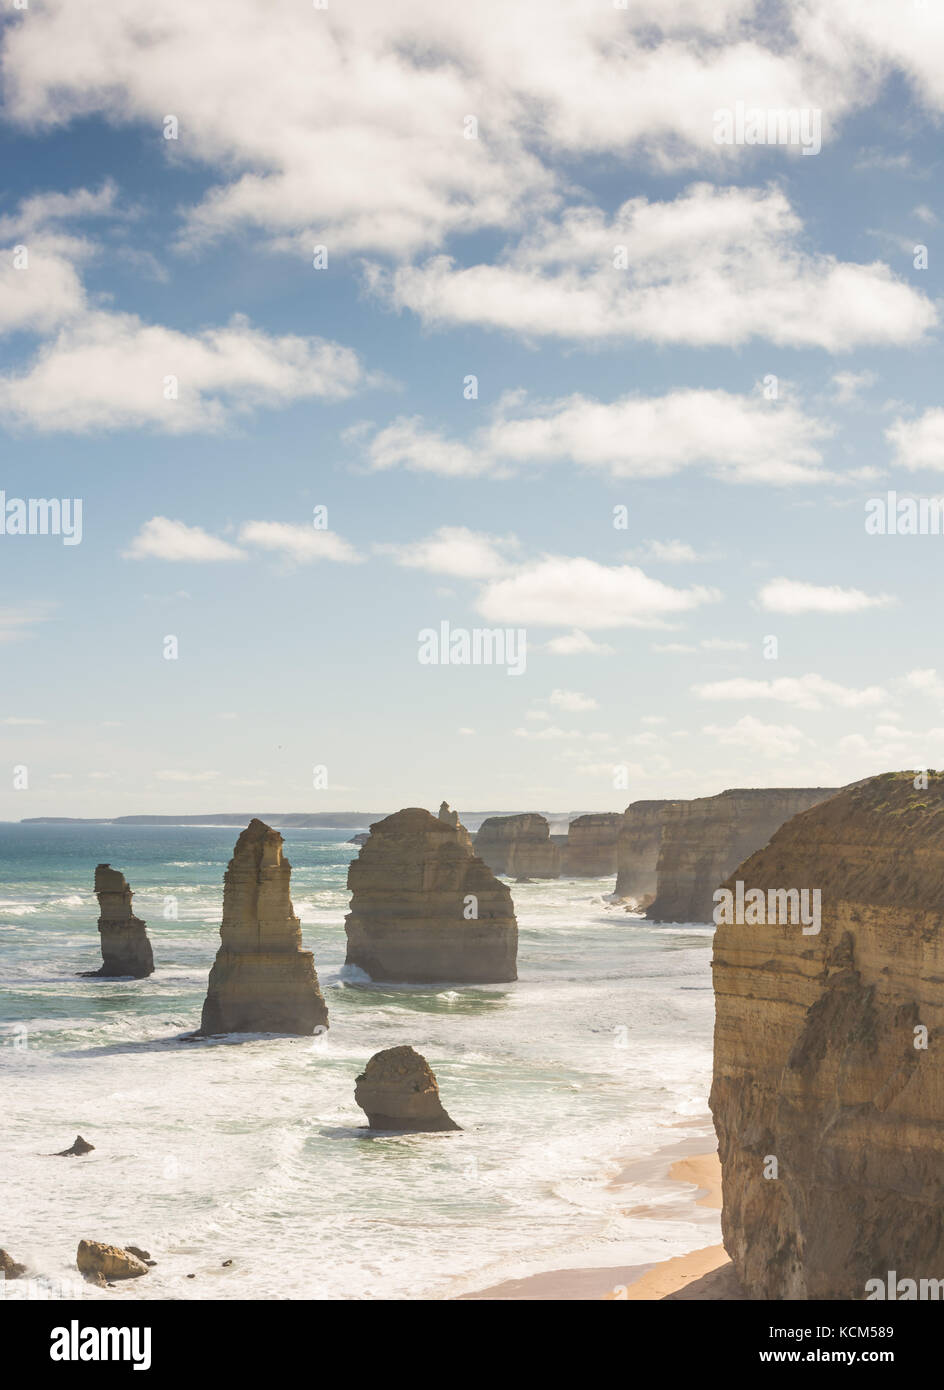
[[251, 1149]]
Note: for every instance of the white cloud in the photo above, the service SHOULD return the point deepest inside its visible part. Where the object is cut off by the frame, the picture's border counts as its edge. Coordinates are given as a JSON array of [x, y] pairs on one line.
[[164, 539], [723, 644], [455, 550], [466, 733], [571, 700], [674, 648], [172, 775], [552, 733], [713, 266], [577, 643], [796, 596], [299, 544], [14, 719], [585, 594], [919, 443], [755, 737], [740, 439], [850, 385], [15, 623], [666, 552], [926, 681], [810, 692]]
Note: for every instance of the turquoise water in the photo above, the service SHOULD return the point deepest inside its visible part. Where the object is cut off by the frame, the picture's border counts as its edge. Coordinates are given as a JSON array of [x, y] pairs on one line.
[[252, 1150]]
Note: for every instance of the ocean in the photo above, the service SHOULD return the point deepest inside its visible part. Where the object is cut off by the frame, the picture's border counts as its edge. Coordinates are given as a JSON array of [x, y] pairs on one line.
[[251, 1149]]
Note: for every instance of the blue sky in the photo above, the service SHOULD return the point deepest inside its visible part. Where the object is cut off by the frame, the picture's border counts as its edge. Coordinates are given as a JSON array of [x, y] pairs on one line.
[[598, 387]]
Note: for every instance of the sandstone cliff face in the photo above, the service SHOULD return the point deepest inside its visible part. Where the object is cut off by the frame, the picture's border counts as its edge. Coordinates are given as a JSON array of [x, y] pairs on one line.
[[705, 839], [592, 845], [425, 907], [397, 1090], [126, 949], [815, 1056], [262, 981], [520, 846], [637, 851]]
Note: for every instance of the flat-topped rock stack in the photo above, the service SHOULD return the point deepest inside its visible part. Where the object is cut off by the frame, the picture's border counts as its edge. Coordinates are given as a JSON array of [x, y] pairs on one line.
[[519, 846], [425, 907], [705, 839], [828, 1091], [592, 845], [398, 1091], [262, 981], [126, 947], [637, 853]]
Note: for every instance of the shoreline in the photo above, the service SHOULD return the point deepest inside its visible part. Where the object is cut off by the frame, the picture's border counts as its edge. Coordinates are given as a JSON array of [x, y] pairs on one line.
[[682, 1165]]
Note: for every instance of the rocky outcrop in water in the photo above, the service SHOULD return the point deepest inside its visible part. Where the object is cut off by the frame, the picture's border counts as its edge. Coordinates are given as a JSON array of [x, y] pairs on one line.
[[425, 907], [262, 981], [398, 1091], [828, 1063], [126, 949], [108, 1261], [705, 839], [592, 845], [79, 1146], [519, 846], [637, 851], [9, 1269]]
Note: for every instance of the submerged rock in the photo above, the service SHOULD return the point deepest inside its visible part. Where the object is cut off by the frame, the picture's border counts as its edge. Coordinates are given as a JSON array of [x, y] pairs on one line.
[[126, 948], [398, 1091], [425, 908], [262, 981], [9, 1269], [96, 1260], [828, 1087], [80, 1146], [519, 846]]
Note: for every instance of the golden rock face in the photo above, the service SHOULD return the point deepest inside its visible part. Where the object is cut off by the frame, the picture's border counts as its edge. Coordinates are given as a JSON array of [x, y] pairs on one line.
[[262, 981], [519, 846], [398, 1091], [828, 1090]]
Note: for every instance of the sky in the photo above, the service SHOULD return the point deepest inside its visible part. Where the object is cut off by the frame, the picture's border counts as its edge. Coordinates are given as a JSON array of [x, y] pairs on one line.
[[343, 322]]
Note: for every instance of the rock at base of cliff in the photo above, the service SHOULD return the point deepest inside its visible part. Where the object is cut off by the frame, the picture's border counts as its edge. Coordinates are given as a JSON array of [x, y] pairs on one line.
[[93, 1258], [398, 1091]]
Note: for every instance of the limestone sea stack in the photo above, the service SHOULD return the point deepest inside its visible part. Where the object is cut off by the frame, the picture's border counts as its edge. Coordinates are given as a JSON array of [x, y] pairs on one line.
[[592, 845], [126, 949], [424, 907], [705, 839], [397, 1090], [520, 846], [637, 853], [828, 1089], [262, 981]]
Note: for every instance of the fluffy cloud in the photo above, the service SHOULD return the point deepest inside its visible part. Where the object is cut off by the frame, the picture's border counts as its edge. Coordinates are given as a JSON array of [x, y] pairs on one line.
[[560, 590], [795, 596], [740, 439], [16, 623], [919, 443], [299, 544], [753, 736], [714, 266], [577, 643], [163, 539], [455, 550], [571, 700], [811, 692]]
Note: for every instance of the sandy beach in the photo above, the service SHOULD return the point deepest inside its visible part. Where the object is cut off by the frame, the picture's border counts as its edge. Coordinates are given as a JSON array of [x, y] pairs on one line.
[[700, 1273]]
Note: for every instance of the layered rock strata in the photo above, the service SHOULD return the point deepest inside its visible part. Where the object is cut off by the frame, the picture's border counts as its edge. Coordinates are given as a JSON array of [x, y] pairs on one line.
[[519, 846], [262, 981], [592, 845], [398, 1091], [828, 1090], [705, 839], [637, 852], [126, 948], [424, 907]]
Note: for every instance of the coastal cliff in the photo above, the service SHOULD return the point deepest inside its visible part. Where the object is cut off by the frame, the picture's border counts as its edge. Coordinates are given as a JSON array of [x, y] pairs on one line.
[[637, 850], [424, 907], [828, 1086], [261, 981], [520, 846], [705, 839], [126, 948], [592, 845]]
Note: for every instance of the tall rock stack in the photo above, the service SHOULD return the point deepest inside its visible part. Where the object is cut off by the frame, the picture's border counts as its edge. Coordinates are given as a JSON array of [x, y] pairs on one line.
[[126, 949], [828, 1090], [262, 981], [520, 846], [592, 845], [398, 1091], [637, 852], [703, 840], [425, 907]]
